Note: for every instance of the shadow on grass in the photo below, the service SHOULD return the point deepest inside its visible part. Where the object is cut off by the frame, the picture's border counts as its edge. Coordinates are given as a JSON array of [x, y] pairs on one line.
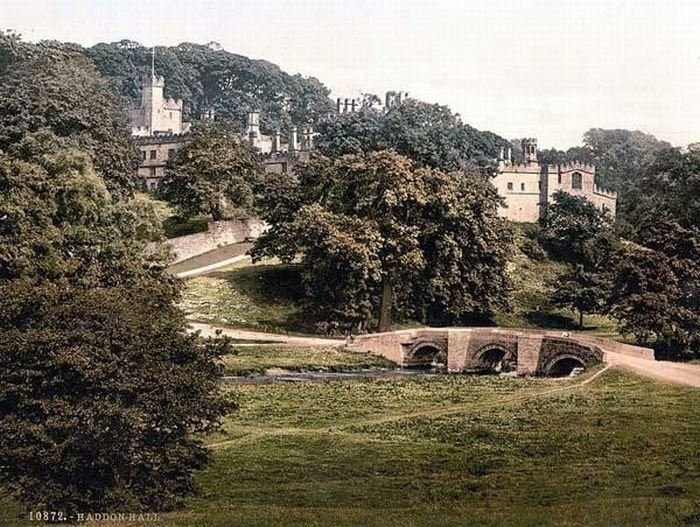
[[547, 320], [277, 293]]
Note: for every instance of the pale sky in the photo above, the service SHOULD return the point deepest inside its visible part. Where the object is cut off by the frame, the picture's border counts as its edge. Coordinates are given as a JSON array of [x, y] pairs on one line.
[[551, 69]]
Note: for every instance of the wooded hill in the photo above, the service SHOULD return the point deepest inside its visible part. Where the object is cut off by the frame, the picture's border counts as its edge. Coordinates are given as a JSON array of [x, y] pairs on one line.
[[206, 77]]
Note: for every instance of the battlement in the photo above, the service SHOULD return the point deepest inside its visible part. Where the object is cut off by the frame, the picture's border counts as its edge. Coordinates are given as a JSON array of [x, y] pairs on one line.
[[577, 165], [604, 192], [506, 167], [159, 138], [154, 81]]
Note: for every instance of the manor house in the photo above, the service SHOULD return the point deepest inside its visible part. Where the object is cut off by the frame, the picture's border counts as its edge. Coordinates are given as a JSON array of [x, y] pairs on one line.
[[158, 131], [528, 187]]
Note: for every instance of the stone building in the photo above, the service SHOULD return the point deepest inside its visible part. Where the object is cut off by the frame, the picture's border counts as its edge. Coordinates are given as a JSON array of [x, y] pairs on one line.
[[157, 130], [528, 187]]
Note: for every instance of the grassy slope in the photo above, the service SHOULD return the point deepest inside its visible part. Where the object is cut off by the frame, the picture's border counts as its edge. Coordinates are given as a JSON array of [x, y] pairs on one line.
[[532, 281], [267, 297], [263, 297], [456, 451]]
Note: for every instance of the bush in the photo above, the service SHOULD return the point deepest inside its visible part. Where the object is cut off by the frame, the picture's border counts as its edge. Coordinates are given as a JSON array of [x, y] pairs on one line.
[[533, 250]]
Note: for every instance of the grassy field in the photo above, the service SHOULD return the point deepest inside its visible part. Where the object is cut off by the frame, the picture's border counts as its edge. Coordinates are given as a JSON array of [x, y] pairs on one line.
[[256, 360], [612, 449], [455, 451]]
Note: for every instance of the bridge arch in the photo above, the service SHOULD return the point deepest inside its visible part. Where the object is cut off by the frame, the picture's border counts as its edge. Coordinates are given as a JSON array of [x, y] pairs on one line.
[[426, 354], [563, 365], [495, 358]]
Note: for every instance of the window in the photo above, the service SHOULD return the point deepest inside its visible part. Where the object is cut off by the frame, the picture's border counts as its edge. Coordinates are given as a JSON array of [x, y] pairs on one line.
[[153, 154], [576, 181], [171, 153], [170, 115], [522, 187], [539, 185], [143, 155], [559, 178], [510, 186], [153, 171]]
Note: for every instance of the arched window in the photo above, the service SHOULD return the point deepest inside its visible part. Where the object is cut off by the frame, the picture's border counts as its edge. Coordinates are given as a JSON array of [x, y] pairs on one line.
[[576, 181]]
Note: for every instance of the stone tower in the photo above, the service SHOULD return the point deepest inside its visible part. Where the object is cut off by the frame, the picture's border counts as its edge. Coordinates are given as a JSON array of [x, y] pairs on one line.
[[529, 146], [157, 114]]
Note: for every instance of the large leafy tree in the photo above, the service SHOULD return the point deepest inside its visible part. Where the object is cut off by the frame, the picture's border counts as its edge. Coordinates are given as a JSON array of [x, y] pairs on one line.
[[379, 235], [429, 134], [585, 286], [656, 293], [101, 386], [214, 174], [207, 78], [569, 223], [52, 85]]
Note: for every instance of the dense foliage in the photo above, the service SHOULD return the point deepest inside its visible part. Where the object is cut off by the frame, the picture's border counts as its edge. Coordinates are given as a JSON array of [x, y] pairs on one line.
[[52, 85], [214, 174], [656, 293], [379, 234], [429, 134], [208, 78], [101, 386]]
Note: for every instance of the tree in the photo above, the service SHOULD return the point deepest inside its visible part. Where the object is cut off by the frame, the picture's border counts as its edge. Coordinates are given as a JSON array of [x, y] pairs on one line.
[[582, 290], [656, 287], [213, 174], [51, 85], [378, 234], [206, 77], [429, 134], [569, 223], [101, 386]]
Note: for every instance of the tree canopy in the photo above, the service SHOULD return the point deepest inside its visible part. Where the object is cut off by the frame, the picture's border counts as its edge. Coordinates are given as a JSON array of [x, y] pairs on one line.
[[101, 387], [206, 77], [379, 234], [429, 134], [53, 86], [214, 174]]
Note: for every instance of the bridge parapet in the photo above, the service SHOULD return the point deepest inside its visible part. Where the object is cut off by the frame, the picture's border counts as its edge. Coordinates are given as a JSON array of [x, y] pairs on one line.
[[530, 352]]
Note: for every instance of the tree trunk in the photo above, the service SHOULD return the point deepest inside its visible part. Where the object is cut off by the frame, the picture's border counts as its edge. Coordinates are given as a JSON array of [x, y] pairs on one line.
[[580, 319], [385, 306]]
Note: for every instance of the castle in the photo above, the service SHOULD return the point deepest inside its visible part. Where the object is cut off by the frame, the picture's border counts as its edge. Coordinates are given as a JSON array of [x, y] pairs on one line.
[[158, 131], [528, 187]]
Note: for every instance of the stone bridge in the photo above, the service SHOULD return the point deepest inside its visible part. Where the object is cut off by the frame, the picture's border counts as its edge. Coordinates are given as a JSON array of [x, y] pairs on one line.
[[528, 352]]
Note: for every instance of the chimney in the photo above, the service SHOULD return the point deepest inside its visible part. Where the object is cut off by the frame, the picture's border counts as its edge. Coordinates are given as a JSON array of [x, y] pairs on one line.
[[501, 154], [294, 140], [276, 141], [254, 122], [509, 155], [310, 131], [339, 105], [353, 103]]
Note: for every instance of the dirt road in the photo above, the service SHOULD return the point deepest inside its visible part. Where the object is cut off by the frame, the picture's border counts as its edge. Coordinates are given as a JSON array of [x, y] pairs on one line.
[[209, 330], [688, 374]]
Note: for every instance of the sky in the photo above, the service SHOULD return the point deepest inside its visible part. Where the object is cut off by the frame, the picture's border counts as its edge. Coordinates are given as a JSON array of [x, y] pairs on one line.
[[549, 69]]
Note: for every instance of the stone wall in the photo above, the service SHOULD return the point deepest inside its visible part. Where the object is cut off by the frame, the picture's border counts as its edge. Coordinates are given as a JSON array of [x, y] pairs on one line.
[[219, 234]]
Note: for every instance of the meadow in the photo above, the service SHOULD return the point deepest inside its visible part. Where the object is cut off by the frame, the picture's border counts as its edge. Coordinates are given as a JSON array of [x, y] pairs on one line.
[[455, 450]]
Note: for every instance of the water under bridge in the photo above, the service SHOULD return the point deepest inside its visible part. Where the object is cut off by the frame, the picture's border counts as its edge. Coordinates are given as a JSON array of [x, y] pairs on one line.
[[527, 352]]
